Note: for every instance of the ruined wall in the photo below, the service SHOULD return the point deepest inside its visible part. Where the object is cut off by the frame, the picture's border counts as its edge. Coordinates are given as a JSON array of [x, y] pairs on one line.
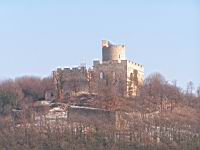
[[68, 81], [123, 77], [99, 117], [131, 66], [135, 77], [110, 78], [76, 80], [92, 116]]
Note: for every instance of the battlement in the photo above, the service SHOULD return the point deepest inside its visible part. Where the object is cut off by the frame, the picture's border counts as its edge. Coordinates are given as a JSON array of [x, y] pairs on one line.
[[136, 64], [71, 70], [106, 43], [97, 62]]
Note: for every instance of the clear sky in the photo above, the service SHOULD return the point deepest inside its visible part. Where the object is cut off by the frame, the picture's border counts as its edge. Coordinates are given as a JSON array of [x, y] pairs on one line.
[[37, 36]]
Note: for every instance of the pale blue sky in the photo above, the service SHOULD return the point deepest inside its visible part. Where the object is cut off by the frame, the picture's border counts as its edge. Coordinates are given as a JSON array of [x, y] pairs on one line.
[[37, 36]]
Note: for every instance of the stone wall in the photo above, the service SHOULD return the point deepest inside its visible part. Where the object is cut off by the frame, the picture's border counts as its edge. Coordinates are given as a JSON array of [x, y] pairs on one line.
[[92, 116], [99, 117], [68, 81], [122, 77], [135, 77], [110, 78]]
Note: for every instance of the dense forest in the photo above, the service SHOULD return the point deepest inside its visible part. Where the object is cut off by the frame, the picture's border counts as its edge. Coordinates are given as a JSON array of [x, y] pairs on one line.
[[169, 118]]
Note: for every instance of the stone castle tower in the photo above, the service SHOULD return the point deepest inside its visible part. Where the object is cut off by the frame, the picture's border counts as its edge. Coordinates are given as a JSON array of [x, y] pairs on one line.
[[112, 52], [116, 72]]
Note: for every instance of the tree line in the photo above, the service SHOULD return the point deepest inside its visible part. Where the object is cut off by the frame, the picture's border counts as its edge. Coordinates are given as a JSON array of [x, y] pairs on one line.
[[22, 91], [169, 118]]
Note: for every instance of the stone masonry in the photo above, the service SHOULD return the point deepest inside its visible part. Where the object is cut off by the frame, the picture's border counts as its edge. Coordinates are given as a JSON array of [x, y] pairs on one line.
[[115, 75]]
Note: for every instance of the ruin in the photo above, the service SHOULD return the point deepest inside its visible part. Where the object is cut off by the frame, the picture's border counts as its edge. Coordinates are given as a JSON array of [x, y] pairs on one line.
[[113, 75]]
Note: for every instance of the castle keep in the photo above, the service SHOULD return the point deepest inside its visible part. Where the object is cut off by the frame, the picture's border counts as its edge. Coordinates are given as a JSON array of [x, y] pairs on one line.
[[113, 75]]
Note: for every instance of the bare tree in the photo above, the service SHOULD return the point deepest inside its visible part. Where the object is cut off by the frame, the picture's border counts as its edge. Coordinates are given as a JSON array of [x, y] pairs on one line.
[[198, 91], [156, 85], [190, 88], [31, 87]]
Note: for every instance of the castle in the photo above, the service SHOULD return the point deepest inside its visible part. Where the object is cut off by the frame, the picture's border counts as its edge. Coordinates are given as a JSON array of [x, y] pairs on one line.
[[113, 75]]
